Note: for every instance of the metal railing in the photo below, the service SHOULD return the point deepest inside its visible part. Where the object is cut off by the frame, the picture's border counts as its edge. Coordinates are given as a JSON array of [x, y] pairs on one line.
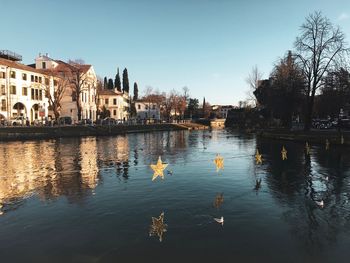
[[10, 55]]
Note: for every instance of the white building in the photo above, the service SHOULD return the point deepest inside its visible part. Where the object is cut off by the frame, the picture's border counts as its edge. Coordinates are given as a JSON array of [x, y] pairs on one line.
[[22, 89], [147, 110], [116, 102], [81, 74]]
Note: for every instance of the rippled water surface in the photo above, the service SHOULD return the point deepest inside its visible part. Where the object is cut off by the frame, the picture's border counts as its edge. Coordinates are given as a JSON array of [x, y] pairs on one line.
[[93, 199]]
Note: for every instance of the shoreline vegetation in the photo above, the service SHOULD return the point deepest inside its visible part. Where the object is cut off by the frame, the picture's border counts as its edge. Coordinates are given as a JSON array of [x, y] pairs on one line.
[[21, 133]]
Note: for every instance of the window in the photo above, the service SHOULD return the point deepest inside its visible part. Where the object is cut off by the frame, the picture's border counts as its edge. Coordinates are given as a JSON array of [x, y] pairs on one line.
[[146, 107], [36, 94], [44, 65], [106, 101], [114, 112], [24, 76], [3, 105], [139, 106], [154, 106], [40, 80], [3, 90], [36, 78], [32, 97], [2, 75], [40, 94], [74, 96], [55, 82], [13, 89], [24, 91], [114, 101], [32, 78], [47, 81], [13, 74]]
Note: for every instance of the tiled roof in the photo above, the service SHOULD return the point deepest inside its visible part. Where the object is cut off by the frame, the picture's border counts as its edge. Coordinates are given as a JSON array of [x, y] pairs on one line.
[[109, 92], [13, 64]]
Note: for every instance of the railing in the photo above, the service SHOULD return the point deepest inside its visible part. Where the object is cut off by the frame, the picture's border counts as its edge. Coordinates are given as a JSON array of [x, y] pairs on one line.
[[10, 55]]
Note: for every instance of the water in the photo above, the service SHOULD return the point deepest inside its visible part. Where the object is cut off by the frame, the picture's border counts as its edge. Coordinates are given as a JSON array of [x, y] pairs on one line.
[[92, 200]]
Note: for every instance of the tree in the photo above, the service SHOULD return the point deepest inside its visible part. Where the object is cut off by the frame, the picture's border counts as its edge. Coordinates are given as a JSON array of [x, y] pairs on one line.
[[105, 83], [117, 83], [136, 92], [110, 84], [78, 80], [125, 81], [320, 47], [193, 106], [253, 81], [59, 87]]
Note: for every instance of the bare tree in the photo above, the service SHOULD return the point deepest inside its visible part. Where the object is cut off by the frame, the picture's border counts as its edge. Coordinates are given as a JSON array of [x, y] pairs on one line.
[[319, 48], [55, 96], [253, 81]]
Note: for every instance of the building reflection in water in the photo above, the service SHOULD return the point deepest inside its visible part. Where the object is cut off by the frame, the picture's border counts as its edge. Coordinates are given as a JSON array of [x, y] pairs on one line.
[[302, 180], [49, 169]]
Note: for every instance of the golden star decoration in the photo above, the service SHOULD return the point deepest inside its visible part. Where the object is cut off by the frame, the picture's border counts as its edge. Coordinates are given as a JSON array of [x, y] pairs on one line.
[[158, 169], [219, 162], [158, 227], [219, 199], [327, 144], [258, 157], [307, 148], [284, 153]]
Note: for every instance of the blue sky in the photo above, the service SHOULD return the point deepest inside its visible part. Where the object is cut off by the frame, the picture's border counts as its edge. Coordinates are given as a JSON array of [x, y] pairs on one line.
[[209, 46]]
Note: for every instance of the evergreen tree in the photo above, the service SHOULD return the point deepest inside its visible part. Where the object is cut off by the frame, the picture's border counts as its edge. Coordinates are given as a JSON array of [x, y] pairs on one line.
[[105, 84], [110, 84], [203, 104], [136, 92], [125, 81], [117, 82]]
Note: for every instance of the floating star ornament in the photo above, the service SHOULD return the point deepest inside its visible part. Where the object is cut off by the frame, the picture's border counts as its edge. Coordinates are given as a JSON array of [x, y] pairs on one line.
[[219, 162], [158, 227], [307, 148], [158, 169], [327, 144], [284, 153], [258, 157], [219, 199]]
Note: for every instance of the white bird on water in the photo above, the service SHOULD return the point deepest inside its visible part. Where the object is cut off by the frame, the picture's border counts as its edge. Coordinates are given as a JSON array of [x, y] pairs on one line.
[[320, 203], [220, 220]]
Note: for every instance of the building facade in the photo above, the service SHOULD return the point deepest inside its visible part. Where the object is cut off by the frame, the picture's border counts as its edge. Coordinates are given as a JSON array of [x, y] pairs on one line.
[[147, 110], [116, 102], [23, 91]]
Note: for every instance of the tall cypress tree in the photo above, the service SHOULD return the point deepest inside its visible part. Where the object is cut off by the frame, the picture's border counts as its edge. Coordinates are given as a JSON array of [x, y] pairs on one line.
[[117, 82], [125, 81], [136, 92], [105, 84], [110, 84]]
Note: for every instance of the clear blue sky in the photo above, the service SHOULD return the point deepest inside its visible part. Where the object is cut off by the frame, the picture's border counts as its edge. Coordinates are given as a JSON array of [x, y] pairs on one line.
[[209, 46]]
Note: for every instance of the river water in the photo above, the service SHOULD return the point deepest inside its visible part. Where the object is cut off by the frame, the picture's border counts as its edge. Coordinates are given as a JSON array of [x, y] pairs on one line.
[[93, 199]]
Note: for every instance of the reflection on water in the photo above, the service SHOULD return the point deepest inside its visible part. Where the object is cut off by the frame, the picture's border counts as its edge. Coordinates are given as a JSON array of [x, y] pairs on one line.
[[56, 190]]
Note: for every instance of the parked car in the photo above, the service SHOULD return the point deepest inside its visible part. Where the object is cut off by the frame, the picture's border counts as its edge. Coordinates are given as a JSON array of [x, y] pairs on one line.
[[20, 120], [66, 120]]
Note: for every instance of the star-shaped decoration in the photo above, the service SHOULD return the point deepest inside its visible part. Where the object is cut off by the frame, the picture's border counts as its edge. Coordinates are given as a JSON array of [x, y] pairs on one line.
[[258, 157], [219, 162], [327, 144], [219, 199], [284, 153], [307, 148], [158, 169], [158, 227]]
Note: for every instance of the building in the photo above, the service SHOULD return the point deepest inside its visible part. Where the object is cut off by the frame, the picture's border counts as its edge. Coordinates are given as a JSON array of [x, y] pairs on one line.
[[147, 110], [82, 86], [222, 110], [116, 102], [22, 89]]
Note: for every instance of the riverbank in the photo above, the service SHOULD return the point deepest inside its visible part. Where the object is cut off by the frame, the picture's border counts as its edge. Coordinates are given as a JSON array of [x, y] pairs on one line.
[[315, 136], [30, 133]]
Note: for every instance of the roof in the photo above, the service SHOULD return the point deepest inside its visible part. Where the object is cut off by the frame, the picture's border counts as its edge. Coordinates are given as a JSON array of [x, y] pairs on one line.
[[109, 92], [13, 64], [64, 66]]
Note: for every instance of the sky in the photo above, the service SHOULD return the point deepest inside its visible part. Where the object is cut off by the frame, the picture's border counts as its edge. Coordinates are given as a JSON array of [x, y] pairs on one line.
[[209, 46]]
